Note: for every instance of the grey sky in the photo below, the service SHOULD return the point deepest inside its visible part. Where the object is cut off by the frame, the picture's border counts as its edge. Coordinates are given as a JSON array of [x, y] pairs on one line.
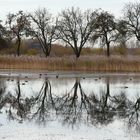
[[55, 6]]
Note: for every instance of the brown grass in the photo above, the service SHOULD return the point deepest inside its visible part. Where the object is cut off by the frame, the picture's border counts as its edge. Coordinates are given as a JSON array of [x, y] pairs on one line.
[[59, 50], [96, 63]]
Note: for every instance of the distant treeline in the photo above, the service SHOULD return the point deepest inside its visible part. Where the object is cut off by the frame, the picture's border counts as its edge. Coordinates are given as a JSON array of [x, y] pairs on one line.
[[72, 27]]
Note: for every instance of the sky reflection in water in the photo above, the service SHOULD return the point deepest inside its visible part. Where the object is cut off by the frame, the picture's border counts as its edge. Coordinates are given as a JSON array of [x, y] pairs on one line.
[[97, 107]]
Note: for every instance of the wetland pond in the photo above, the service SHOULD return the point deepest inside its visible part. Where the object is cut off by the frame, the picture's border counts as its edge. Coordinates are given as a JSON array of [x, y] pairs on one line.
[[65, 106]]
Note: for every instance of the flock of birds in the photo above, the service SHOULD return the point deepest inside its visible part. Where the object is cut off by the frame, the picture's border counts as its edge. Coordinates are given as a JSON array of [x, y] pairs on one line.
[[26, 78]]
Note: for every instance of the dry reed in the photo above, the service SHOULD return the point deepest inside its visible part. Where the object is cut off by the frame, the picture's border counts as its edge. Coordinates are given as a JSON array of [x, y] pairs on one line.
[[84, 63]]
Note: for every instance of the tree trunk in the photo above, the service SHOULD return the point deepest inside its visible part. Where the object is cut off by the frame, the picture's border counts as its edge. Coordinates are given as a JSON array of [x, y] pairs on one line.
[[108, 49], [77, 55], [46, 55], [47, 50], [18, 47]]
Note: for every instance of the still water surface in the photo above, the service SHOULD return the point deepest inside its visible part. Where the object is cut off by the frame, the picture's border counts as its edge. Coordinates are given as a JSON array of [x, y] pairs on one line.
[[41, 107]]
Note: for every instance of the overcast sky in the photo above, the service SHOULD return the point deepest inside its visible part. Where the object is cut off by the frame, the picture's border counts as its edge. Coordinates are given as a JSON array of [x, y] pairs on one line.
[[55, 6]]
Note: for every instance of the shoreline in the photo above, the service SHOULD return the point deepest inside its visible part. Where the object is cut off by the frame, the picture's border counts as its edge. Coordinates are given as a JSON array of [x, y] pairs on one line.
[[25, 74]]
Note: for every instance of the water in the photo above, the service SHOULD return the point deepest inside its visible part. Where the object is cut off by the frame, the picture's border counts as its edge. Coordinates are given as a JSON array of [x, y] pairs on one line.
[[69, 106]]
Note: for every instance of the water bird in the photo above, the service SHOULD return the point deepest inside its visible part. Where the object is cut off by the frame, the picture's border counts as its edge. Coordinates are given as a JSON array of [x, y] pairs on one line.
[[130, 79], [23, 83], [57, 76], [96, 79], [26, 77], [40, 75], [125, 87]]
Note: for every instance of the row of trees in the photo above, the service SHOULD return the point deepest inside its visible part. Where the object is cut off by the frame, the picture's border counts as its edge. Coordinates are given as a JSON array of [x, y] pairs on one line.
[[74, 27]]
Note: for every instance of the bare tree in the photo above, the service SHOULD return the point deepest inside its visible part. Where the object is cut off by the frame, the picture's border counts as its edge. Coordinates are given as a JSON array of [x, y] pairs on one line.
[[123, 35], [1, 29], [104, 28], [2, 35], [43, 28], [17, 24], [75, 28], [5, 35], [132, 18]]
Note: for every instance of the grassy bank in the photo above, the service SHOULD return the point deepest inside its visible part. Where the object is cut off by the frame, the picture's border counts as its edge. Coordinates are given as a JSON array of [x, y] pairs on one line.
[[84, 63]]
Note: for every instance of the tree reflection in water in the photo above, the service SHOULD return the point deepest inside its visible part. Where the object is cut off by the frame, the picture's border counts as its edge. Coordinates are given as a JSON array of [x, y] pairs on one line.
[[18, 107], [43, 104], [102, 111], [74, 104], [2, 91], [73, 107], [134, 120]]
